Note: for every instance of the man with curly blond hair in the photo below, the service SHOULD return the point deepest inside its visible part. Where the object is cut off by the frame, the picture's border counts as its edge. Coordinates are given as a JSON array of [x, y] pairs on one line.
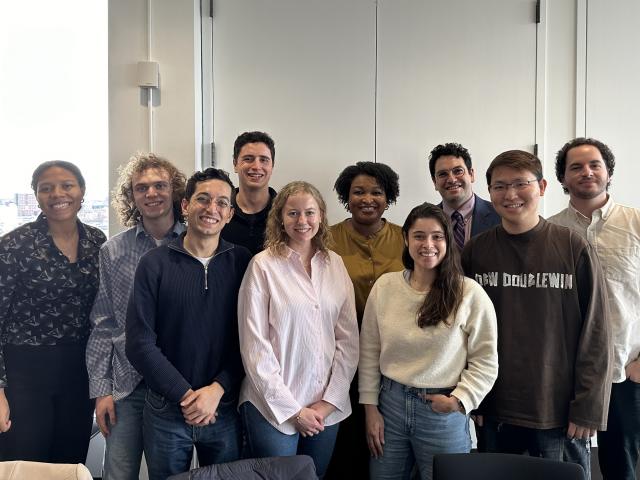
[[147, 199]]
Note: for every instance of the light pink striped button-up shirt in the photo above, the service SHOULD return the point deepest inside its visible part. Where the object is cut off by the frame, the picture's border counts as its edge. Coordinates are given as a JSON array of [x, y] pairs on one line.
[[298, 336]]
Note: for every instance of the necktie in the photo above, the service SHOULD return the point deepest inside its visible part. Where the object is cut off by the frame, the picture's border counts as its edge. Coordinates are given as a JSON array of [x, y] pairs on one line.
[[458, 228]]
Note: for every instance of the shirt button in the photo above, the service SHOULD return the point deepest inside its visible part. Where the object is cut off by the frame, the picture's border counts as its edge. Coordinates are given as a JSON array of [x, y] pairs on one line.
[[316, 307], [370, 282]]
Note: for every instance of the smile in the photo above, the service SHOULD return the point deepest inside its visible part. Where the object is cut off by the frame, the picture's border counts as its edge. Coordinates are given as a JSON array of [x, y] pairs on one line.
[[514, 205], [209, 220], [60, 206]]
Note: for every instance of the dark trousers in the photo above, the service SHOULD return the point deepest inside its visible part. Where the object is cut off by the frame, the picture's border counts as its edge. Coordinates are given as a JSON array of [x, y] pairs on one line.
[[618, 446], [498, 437], [351, 455], [51, 413]]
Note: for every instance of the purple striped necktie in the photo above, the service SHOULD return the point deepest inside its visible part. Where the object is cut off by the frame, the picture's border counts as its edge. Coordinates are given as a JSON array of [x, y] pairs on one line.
[[458, 228]]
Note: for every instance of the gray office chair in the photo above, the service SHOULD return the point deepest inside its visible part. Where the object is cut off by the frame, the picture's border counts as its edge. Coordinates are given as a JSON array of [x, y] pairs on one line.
[[502, 466]]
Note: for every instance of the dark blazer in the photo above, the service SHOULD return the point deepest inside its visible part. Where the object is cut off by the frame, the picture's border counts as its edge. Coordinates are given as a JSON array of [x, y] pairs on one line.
[[483, 218]]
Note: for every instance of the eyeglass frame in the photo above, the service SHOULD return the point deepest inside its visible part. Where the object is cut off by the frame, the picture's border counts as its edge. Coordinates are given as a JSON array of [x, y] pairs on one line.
[[518, 185]]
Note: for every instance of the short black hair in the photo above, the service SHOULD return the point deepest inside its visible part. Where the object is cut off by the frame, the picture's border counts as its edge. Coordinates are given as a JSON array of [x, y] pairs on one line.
[[384, 175], [40, 169], [451, 148], [561, 157], [253, 137], [208, 174]]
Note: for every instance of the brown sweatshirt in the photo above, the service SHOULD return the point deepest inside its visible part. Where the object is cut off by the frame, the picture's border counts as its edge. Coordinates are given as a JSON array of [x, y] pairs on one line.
[[554, 346]]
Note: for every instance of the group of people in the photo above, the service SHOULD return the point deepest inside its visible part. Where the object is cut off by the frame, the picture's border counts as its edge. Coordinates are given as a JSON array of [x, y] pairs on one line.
[[238, 321]]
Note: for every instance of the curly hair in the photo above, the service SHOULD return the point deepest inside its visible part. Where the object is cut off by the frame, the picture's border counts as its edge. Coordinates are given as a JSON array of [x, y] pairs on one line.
[[453, 149], [275, 236], [384, 175], [561, 157], [446, 292], [123, 202]]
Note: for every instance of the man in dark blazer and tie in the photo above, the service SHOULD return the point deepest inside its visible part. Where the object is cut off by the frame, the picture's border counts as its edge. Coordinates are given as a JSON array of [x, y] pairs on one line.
[[453, 175]]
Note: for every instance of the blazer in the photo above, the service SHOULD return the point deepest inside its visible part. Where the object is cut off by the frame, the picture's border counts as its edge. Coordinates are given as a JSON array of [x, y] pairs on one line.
[[484, 217]]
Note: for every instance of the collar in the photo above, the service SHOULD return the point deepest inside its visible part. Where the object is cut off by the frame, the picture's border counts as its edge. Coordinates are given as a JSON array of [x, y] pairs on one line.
[[178, 245], [290, 252], [41, 226], [264, 212], [603, 212], [178, 228], [466, 209]]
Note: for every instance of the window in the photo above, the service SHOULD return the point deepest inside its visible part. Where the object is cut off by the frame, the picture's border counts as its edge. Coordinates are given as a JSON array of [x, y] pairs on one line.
[[53, 102]]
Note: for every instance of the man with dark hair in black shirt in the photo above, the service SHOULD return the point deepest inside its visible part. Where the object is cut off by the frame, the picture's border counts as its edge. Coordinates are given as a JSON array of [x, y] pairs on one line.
[[254, 154]]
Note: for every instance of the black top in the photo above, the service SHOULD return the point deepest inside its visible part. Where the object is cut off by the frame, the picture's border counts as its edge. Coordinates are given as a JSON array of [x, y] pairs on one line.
[[44, 298], [247, 229], [182, 320]]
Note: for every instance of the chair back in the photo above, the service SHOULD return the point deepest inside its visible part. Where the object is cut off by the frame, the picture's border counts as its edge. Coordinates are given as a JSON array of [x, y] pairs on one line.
[[502, 466]]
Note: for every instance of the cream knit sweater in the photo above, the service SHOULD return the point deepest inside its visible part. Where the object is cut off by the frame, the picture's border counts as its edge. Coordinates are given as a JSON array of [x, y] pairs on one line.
[[462, 355]]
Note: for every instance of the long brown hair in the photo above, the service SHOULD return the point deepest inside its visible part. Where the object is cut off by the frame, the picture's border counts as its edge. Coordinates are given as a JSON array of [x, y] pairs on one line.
[[446, 292]]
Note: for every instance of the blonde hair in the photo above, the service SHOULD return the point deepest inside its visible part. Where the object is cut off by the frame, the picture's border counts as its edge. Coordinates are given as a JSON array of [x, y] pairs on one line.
[[275, 236], [123, 202]]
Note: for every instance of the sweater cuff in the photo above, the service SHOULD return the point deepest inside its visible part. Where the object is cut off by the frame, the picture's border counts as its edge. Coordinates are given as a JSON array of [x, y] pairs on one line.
[[369, 398], [100, 387]]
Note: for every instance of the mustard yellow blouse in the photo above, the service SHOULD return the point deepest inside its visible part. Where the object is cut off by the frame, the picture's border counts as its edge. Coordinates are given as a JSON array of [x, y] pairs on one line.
[[368, 258]]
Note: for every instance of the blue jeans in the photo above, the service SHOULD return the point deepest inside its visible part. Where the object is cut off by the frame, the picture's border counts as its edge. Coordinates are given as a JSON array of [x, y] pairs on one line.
[[264, 440], [123, 451], [413, 432], [552, 443], [618, 447], [169, 441]]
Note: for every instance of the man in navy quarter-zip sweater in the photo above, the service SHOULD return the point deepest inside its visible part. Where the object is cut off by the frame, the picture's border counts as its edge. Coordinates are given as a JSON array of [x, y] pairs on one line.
[[182, 335]]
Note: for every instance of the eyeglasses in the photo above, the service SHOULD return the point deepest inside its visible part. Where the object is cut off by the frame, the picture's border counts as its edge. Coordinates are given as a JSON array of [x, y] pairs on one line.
[[206, 200], [517, 186], [157, 186], [456, 172]]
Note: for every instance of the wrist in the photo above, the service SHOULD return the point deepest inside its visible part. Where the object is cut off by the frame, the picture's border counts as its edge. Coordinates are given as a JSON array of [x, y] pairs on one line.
[[459, 405]]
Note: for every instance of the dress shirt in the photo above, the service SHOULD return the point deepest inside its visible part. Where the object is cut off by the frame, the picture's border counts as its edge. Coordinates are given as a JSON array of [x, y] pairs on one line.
[[614, 232], [366, 258], [44, 298], [298, 336], [466, 210], [110, 373]]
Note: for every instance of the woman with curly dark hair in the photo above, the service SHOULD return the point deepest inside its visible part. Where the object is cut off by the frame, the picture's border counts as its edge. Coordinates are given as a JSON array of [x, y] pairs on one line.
[[369, 246]]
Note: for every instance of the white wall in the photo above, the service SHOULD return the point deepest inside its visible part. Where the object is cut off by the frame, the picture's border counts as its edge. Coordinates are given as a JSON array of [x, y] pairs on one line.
[[175, 44], [562, 43]]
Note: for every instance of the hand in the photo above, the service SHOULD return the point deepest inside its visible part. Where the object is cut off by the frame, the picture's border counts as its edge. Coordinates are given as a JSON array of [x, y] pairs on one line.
[[478, 419], [580, 433], [309, 422], [323, 408], [5, 413], [633, 371], [199, 407], [375, 430], [105, 413], [443, 403]]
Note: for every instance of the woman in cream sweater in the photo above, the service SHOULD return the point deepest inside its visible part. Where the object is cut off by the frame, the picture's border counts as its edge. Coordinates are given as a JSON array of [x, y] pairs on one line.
[[427, 352]]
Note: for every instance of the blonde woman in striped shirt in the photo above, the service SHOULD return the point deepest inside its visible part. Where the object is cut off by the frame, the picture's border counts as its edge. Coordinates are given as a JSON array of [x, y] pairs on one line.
[[298, 333]]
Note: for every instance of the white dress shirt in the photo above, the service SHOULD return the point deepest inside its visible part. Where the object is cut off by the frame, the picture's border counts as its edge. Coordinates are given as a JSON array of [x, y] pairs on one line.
[[298, 336], [614, 232]]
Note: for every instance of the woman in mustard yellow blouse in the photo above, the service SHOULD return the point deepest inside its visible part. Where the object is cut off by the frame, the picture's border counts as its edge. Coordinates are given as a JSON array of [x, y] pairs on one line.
[[369, 246]]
